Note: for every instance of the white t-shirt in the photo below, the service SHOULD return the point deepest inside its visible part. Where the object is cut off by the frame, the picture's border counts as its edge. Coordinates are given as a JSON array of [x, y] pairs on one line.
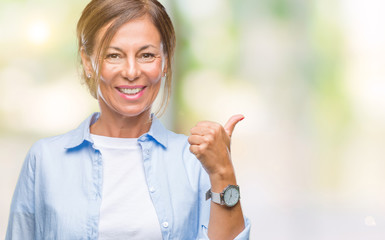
[[126, 210]]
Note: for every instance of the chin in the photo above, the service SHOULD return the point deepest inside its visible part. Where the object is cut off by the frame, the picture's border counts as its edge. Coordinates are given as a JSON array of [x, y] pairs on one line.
[[135, 112]]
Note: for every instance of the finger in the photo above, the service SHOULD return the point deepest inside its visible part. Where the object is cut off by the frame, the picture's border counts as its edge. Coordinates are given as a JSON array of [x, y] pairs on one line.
[[194, 149], [195, 140], [230, 125], [206, 124], [200, 130]]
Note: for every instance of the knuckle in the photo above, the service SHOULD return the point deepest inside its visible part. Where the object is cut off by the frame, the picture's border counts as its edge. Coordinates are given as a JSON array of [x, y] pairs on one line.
[[217, 127], [209, 138], [203, 147], [212, 131]]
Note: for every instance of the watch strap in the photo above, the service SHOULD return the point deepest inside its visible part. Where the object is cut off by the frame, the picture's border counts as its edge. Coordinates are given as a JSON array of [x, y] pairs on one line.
[[215, 197]]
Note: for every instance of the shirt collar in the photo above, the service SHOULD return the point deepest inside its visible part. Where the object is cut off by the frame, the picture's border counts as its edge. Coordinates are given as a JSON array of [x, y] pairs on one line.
[[157, 132], [82, 133]]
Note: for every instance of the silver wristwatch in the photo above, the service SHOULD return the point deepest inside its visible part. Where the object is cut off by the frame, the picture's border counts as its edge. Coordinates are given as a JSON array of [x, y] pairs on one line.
[[229, 197]]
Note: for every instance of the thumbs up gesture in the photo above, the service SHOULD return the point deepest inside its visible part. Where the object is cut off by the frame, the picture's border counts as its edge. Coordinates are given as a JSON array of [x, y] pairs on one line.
[[210, 143]]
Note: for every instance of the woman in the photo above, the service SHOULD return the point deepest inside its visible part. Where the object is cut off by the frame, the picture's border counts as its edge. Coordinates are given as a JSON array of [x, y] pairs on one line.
[[121, 174]]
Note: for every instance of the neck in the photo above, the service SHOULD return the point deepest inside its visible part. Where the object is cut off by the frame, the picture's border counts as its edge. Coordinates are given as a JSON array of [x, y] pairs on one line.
[[113, 124]]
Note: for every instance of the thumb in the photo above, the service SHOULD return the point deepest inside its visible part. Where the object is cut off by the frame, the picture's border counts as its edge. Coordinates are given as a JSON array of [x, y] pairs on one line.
[[230, 125]]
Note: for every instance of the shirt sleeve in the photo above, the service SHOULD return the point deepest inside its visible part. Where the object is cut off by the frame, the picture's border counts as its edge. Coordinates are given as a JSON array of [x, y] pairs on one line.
[[21, 222], [244, 235]]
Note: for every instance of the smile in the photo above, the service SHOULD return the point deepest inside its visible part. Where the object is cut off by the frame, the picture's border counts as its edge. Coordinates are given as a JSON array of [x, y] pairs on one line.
[[130, 91]]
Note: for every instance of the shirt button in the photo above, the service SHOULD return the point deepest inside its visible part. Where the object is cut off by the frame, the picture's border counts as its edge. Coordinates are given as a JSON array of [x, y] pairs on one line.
[[165, 224], [152, 189]]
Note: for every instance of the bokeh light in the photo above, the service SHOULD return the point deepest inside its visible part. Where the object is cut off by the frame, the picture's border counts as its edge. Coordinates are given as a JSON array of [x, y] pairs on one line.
[[38, 32]]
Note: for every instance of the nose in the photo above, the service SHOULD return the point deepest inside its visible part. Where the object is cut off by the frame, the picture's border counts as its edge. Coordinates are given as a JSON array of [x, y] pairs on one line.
[[131, 70]]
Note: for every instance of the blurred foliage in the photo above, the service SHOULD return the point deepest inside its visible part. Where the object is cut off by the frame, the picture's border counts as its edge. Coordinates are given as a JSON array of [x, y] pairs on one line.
[[290, 66]]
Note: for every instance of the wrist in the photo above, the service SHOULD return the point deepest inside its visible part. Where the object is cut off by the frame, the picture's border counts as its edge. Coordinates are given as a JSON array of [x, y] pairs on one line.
[[222, 179]]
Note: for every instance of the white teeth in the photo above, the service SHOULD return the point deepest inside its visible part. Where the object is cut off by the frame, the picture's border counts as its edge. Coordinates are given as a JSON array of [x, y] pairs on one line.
[[130, 90]]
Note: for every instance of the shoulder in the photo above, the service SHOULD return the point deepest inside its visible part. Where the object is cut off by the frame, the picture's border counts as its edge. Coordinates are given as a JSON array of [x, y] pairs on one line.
[[46, 148], [60, 144], [70, 139], [41, 151], [53, 142]]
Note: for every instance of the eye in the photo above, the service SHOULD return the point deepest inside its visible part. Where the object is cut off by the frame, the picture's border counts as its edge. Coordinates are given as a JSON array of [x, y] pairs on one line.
[[112, 56], [147, 57]]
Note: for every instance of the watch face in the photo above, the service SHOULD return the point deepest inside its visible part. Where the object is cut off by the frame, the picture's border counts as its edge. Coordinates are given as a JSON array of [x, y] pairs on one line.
[[231, 196]]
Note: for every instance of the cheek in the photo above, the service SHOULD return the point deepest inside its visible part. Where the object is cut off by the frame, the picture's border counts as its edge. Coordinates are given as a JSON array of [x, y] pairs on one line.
[[154, 72], [107, 72]]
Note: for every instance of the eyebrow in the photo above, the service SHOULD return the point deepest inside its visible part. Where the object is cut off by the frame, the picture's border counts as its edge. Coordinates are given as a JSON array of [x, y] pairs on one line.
[[140, 49], [146, 46]]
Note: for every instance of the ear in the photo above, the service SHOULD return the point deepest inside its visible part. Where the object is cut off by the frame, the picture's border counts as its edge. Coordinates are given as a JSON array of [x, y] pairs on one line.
[[86, 60]]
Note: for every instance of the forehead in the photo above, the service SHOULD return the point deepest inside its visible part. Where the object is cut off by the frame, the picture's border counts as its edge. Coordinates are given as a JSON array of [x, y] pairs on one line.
[[138, 31]]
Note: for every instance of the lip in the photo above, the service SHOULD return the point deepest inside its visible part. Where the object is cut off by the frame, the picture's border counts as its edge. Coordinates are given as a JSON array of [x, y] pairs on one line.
[[131, 97], [131, 86]]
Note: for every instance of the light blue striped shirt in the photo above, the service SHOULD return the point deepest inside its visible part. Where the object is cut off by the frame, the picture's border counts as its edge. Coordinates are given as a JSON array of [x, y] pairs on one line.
[[59, 191]]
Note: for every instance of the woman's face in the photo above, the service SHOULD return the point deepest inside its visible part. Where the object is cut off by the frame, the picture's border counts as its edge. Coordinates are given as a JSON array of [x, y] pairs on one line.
[[132, 69]]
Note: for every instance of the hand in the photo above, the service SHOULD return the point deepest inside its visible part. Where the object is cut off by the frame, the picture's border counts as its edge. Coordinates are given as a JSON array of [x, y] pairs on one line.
[[210, 143]]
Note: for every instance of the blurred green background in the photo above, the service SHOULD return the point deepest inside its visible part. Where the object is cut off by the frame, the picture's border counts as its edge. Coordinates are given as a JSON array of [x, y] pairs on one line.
[[307, 75]]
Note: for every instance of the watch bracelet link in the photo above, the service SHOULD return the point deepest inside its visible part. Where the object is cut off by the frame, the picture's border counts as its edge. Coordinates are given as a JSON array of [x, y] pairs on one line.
[[215, 197]]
